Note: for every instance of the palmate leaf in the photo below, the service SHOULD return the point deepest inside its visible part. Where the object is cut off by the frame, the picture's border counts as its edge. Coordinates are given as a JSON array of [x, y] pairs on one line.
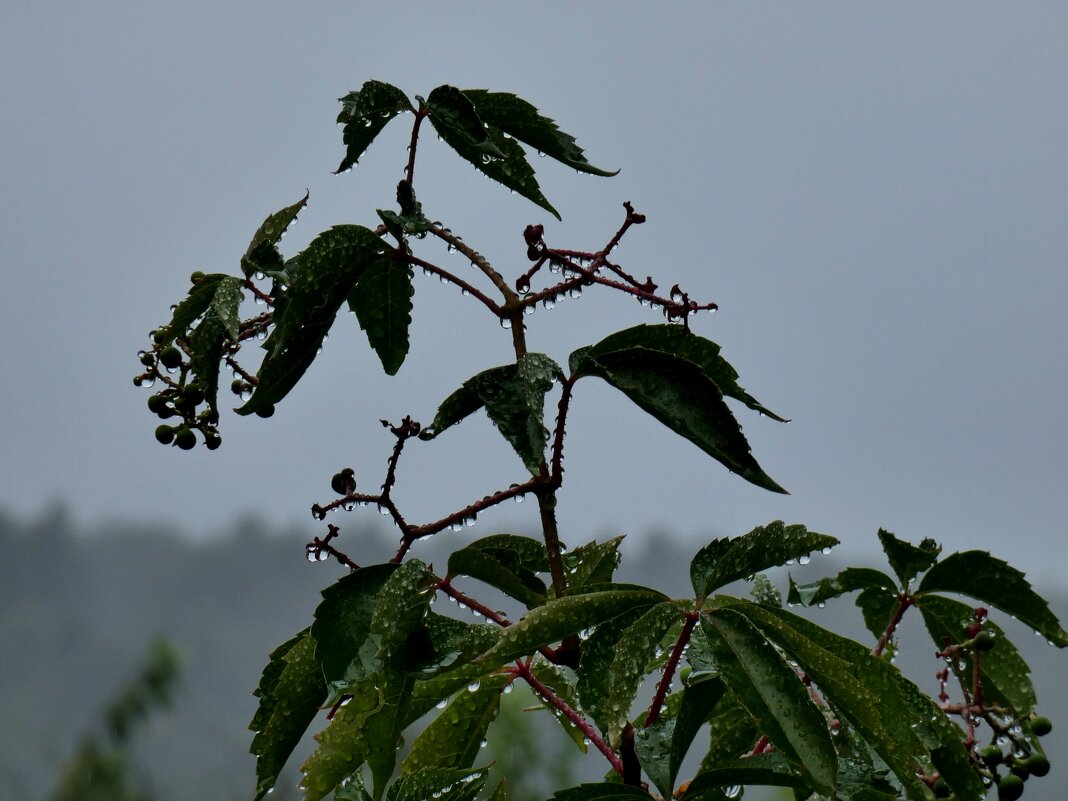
[[291, 691], [986, 578], [191, 308], [877, 601], [562, 617], [724, 561], [772, 693], [445, 644], [592, 564], [676, 341], [907, 559], [662, 746], [262, 255], [681, 396], [595, 669], [325, 274], [455, 737], [497, 156], [364, 113], [1005, 676], [519, 119], [382, 302]]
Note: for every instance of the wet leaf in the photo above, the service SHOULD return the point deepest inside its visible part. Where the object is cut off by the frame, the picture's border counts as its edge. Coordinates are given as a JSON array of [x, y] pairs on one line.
[[501, 569], [592, 564], [191, 308], [382, 301], [558, 680], [262, 255], [907, 559], [601, 791], [762, 769], [595, 668], [441, 784], [364, 113]]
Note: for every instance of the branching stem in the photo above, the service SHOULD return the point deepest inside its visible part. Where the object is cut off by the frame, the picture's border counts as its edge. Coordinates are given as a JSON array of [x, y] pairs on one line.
[[670, 667]]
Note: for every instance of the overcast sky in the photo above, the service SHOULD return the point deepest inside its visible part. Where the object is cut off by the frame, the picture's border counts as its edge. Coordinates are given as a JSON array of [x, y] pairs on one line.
[[874, 194]]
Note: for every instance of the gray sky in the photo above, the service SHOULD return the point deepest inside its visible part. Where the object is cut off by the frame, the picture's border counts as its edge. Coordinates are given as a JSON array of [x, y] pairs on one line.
[[875, 195]]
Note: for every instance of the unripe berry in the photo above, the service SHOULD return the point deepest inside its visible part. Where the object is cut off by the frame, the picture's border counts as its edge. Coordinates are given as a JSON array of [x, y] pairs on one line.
[[985, 640], [1019, 768], [156, 403], [343, 481], [196, 277], [992, 755], [193, 394], [266, 411], [170, 357], [164, 434], [158, 336], [1041, 725], [238, 386], [213, 442], [1037, 764], [185, 439], [147, 359], [1010, 788]]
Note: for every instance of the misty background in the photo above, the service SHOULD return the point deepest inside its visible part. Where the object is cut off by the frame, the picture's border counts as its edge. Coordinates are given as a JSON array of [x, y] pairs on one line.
[[875, 197]]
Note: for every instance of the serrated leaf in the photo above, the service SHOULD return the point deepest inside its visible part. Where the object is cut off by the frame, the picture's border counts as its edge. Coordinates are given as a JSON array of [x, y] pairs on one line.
[[676, 341], [191, 308], [402, 606], [218, 327], [529, 552], [519, 119], [382, 302], [732, 730], [454, 738], [497, 156], [592, 564], [562, 617], [601, 791], [635, 648], [775, 544], [848, 580], [558, 680], [769, 770], [986, 578], [328, 269], [907, 559], [364, 113], [772, 693], [678, 393], [352, 788], [1005, 676], [441, 784], [262, 255], [764, 591], [662, 747], [410, 220], [500, 569], [342, 747], [463, 402], [595, 667], [290, 692], [445, 644], [345, 646]]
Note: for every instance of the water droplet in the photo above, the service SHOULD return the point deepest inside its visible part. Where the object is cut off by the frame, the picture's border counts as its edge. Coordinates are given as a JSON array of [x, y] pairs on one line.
[[528, 310], [312, 554], [790, 561], [456, 525], [443, 279], [383, 510], [470, 520], [575, 292], [473, 686], [519, 498], [442, 703], [483, 744], [804, 560], [427, 272], [508, 688], [506, 323], [548, 303], [826, 550]]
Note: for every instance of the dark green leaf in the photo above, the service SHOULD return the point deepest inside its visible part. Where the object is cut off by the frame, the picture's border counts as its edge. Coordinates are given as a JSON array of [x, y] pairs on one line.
[[501, 569], [529, 552], [678, 393], [907, 559], [595, 668], [290, 692], [444, 644], [674, 340], [761, 769], [262, 255], [732, 730], [328, 269], [764, 592], [989, 579], [455, 736], [364, 113], [194, 305], [1005, 676], [592, 564], [462, 785], [562, 617], [402, 606], [463, 402], [772, 693], [558, 680], [451, 110], [852, 578], [352, 788], [219, 326], [765, 546], [518, 118], [382, 301], [410, 220], [601, 791], [662, 746]]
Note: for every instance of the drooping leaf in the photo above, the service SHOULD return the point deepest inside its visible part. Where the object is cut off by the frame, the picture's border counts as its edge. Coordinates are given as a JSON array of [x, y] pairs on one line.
[[558, 680], [1005, 676], [592, 564], [562, 617], [519, 119], [290, 692], [595, 669], [219, 326], [676, 341], [328, 269], [636, 647], [848, 580], [364, 113], [772, 693], [662, 746], [497, 156], [775, 544], [678, 393], [986, 578], [410, 219], [445, 644], [342, 745], [515, 548], [382, 301], [732, 730], [262, 255], [762, 769], [401, 608], [191, 308], [907, 559], [352, 788], [501, 569], [441, 784], [455, 737]]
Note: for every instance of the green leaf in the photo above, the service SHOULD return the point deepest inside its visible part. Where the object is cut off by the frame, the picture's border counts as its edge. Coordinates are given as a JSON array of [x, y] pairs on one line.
[[907, 559], [732, 731], [191, 308], [342, 628], [1005, 676], [501, 569], [403, 604], [352, 788], [562, 617], [592, 564], [636, 647], [518, 118], [601, 791], [558, 680], [445, 644], [290, 692], [455, 737], [528, 552], [989, 579], [441, 784], [676, 341], [326, 272], [852, 578], [595, 668], [382, 301], [772, 693], [410, 220], [678, 393], [662, 746], [364, 113], [764, 591], [262, 255], [761, 769], [497, 156], [720, 563], [220, 326]]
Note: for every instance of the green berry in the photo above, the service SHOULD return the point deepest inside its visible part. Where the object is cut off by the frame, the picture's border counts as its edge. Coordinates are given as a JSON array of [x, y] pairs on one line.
[[164, 434], [992, 755], [156, 403], [1037, 764], [186, 439], [196, 277], [212, 442], [1041, 725], [238, 386], [1010, 788], [138, 380], [158, 336], [170, 357], [193, 395], [344, 481], [266, 411], [985, 640], [1019, 768], [147, 359]]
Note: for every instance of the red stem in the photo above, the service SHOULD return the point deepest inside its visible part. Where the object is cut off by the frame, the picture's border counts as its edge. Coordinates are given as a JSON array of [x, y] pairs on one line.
[[669, 670], [904, 602]]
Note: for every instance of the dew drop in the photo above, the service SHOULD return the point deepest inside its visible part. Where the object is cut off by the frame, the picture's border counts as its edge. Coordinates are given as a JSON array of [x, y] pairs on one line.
[[548, 303], [473, 686], [470, 520], [826, 550], [442, 703], [508, 688], [483, 744], [506, 323], [519, 498], [804, 560], [456, 526]]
